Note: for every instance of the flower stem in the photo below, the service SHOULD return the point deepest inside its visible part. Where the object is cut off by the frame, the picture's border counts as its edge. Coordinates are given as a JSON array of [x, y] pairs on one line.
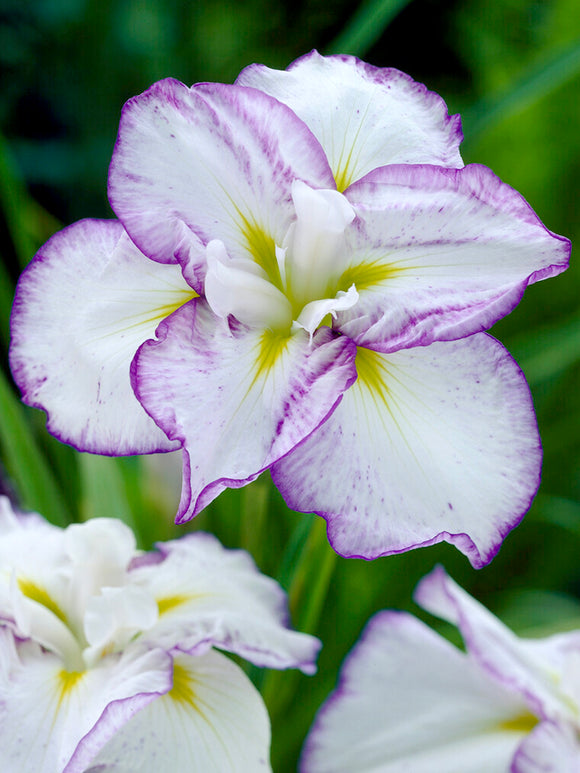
[[308, 590]]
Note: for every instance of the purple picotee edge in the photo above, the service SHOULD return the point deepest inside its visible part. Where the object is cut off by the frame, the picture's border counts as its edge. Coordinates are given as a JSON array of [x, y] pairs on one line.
[[384, 76], [439, 577]]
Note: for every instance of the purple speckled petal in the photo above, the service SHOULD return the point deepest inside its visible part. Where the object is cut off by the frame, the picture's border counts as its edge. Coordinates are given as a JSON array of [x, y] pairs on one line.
[[82, 308], [549, 748], [407, 700], [236, 398], [439, 254], [363, 116], [211, 162], [210, 596], [544, 672], [51, 722], [215, 721], [432, 443]]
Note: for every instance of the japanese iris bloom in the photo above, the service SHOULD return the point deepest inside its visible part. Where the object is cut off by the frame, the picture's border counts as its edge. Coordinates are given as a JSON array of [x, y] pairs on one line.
[[298, 281], [108, 657], [408, 700]]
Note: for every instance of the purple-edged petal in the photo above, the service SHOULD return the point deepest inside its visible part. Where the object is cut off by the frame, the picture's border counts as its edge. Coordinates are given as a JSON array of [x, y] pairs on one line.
[[544, 672], [549, 748], [210, 596], [82, 308], [211, 162], [212, 720], [238, 399], [440, 254], [407, 700], [363, 116], [48, 715], [429, 444]]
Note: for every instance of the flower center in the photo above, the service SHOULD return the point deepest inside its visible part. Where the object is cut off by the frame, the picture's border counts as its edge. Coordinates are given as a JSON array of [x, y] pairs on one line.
[[300, 287]]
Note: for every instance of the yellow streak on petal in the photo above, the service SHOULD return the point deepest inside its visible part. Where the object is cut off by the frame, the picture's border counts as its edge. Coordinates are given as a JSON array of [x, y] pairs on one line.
[[36, 593], [170, 602], [522, 724], [182, 690], [272, 346], [343, 177], [367, 275], [262, 248], [162, 312], [67, 682], [372, 372]]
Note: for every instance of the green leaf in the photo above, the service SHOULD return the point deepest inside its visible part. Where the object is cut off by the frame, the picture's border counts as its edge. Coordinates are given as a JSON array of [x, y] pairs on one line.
[[548, 353], [104, 494], [6, 295], [366, 27], [541, 79], [36, 481]]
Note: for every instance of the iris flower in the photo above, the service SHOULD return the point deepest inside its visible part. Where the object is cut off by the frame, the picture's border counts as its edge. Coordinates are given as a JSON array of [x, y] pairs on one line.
[[408, 700], [108, 657], [299, 281]]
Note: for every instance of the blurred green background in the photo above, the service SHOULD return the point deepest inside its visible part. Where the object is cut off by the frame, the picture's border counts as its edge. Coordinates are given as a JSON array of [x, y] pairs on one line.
[[511, 68]]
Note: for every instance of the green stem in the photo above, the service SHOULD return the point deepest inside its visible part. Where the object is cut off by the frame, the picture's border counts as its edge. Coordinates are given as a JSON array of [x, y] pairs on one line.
[[308, 591], [254, 507]]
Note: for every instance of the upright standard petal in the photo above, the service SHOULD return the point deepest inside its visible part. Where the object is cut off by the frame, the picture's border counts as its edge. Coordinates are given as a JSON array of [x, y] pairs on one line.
[[440, 254], [407, 700], [82, 308], [211, 162], [430, 444], [363, 116], [212, 720], [249, 396], [209, 596]]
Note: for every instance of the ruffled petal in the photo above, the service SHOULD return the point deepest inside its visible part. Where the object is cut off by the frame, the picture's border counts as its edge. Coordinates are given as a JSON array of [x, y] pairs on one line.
[[539, 670], [440, 254], [211, 162], [407, 700], [82, 308], [212, 720], [210, 596], [53, 720], [549, 748], [363, 116], [430, 444], [238, 399]]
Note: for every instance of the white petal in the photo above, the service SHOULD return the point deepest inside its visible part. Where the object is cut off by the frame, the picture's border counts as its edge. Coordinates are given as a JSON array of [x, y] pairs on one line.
[[250, 396], [54, 721], [208, 595], [439, 254], [114, 617], [537, 669], [213, 720], [211, 162], [100, 552], [363, 116], [407, 700], [241, 288], [313, 313], [316, 243], [82, 308], [430, 444], [550, 748]]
